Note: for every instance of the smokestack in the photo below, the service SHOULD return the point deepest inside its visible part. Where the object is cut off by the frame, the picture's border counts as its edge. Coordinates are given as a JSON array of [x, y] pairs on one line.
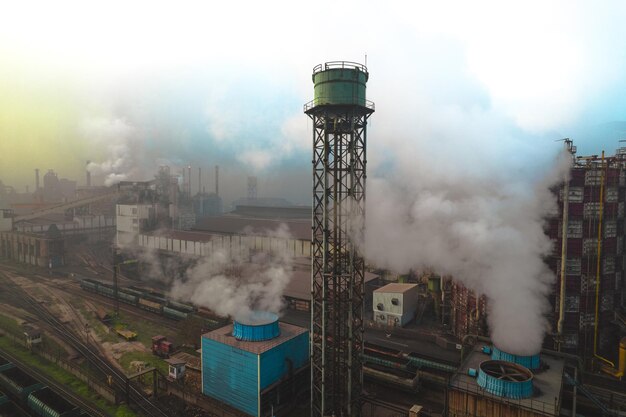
[[199, 180], [88, 175], [189, 176], [217, 180], [36, 179], [201, 197]]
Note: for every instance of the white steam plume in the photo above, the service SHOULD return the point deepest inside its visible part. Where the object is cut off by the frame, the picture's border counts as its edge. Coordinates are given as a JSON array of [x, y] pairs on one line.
[[234, 283], [485, 231], [116, 136]]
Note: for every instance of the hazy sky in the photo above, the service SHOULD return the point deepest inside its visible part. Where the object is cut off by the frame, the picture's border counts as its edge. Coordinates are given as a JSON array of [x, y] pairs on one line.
[[137, 84]]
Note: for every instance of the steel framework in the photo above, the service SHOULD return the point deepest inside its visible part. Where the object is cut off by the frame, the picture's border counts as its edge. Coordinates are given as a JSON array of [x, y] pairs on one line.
[[339, 160]]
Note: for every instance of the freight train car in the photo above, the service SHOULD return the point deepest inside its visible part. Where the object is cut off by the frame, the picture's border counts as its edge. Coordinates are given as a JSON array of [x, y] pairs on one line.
[[150, 305], [147, 300], [174, 314]]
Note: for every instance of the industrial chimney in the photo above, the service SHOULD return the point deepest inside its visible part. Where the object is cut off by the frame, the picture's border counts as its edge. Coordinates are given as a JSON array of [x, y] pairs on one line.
[[36, 179], [88, 175], [217, 180]]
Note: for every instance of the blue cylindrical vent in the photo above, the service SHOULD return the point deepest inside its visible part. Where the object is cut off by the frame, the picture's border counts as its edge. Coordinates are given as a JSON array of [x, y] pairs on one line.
[[259, 326], [472, 372], [505, 379], [530, 362], [486, 350]]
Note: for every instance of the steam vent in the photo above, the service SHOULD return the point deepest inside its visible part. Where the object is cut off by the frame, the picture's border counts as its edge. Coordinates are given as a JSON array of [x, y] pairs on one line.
[[492, 382], [260, 326], [255, 364]]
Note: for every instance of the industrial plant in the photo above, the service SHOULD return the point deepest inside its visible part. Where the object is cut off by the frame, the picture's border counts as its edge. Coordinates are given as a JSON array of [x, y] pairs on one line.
[[160, 297]]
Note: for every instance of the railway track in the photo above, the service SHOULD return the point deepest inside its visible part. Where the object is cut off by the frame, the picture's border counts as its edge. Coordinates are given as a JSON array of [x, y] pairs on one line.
[[136, 312], [72, 287], [118, 379], [59, 388]]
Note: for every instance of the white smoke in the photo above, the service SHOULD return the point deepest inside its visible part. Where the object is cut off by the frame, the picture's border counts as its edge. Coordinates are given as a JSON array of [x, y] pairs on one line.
[[234, 283], [484, 230], [116, 136]]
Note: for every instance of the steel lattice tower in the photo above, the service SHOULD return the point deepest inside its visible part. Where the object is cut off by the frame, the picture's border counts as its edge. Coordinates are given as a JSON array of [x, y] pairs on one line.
[[339, 113]]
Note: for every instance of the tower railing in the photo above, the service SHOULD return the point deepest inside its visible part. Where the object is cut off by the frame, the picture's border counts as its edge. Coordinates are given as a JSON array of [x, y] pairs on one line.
[[320, 101], [339, 65]]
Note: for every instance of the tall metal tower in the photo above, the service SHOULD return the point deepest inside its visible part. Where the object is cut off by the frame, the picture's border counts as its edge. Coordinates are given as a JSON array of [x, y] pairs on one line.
[[339, 112]]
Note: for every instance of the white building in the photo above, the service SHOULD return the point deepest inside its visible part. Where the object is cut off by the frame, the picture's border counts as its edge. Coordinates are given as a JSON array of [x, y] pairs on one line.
[[395, 304], [130, 219]]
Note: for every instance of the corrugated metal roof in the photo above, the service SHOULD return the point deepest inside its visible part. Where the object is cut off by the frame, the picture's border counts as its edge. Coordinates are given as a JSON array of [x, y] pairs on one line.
[[224, 335], [299, 229], [396, 288], [299, 286]]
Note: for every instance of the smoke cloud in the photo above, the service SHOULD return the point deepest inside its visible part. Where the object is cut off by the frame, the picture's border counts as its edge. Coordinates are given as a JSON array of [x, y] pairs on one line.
[[116, 135], [484, 230], [234, 283]]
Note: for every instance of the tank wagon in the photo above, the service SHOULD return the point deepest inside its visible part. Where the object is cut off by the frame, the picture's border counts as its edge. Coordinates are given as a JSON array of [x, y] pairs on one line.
[[142, 298], [31, 395]]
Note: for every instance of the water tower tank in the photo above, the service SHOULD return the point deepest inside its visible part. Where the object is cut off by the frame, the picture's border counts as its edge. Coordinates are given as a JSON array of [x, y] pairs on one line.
[[339, 83], [258, 326]]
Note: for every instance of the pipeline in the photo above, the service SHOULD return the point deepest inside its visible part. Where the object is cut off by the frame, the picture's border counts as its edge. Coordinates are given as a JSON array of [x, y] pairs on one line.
[[563, 271], [424, 375], [595, 328]]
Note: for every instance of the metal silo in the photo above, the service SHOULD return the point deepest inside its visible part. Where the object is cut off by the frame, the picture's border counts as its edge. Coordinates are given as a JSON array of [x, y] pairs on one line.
[[339, 111]]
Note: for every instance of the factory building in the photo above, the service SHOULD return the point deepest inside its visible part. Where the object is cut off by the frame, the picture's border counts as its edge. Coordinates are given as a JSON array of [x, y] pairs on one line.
[[257, 365], [40, 249], [130, 220], [591, 205], [395, 304]]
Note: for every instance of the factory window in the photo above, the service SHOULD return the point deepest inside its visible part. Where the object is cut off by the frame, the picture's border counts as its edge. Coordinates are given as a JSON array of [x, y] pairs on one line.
[[572, 267], [620, 245], [591, 210], [620, 209], [608, 265], [575, 229], [593, 177], [587, 319], [618, 281], [622, 178], [611, 195], [134, 210], [610, 228], [380, 307], [590, 247], [395, 301], [575, 195], [572, 303]]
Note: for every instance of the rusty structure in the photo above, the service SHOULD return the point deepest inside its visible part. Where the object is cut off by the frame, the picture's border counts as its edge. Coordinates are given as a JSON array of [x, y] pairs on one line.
[[589, 263], [468, 311], [339, 113]]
